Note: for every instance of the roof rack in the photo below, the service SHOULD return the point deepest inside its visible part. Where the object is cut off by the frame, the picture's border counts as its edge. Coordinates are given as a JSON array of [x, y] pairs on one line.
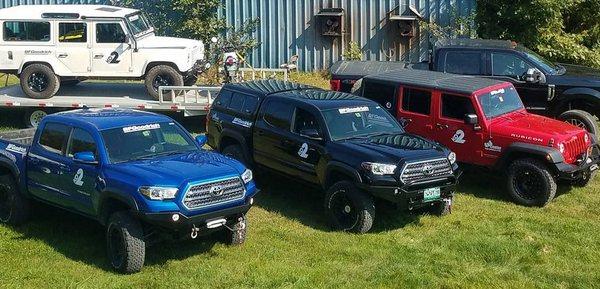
[[55, 15]]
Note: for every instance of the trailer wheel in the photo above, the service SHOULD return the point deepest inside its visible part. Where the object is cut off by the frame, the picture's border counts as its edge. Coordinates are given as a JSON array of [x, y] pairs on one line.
[[33, 117], [581, 119], [162, 75], [39, 81]]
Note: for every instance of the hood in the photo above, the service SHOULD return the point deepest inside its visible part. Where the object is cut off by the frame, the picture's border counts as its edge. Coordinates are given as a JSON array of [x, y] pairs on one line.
[[180, 169], [576, 75], [532, 128], [396, 148], [161, 42]]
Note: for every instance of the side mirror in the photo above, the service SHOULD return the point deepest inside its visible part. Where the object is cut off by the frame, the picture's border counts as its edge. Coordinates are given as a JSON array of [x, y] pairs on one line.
[[311, 133], [85, 158], [202, 139], [471, 119], [534, 75]]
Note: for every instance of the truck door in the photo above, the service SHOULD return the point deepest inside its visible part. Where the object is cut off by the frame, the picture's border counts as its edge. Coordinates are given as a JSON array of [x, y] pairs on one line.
[[382, 93], [271, 135], [112, 50], [46, 165], [511, 67], [73, 47], [83, 178], [453, 132], [414, 111]]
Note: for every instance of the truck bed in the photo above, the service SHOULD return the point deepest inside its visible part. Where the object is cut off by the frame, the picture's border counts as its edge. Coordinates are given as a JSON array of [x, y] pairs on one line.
[[22, 136]]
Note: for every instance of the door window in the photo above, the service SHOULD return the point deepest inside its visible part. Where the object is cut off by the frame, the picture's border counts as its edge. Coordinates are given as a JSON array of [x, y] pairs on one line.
[[456, 107], [305, 120], [505, 64], [278, 114], [54, 137], [26, 31], [237, 101], [463, 62], [109, 33], [81, 141], [417, 101], [72, 32], [380, 93], [223, 99]]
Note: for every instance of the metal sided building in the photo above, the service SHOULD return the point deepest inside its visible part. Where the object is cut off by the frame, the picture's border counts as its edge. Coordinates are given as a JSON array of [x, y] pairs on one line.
[[319, 31]]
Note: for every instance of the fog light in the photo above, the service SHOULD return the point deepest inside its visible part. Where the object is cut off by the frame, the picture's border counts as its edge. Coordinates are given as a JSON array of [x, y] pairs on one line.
[[175, 217], [251, 201]]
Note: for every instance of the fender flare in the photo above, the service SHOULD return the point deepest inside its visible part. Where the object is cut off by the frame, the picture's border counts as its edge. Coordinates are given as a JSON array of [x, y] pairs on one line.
[[229, 133], [49, 61], [124, 198], [334, 166], [578, 93], [531, 149], [14, 171]]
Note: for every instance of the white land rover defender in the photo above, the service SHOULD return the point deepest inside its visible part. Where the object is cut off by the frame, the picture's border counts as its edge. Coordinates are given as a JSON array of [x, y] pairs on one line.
[[47, 46]]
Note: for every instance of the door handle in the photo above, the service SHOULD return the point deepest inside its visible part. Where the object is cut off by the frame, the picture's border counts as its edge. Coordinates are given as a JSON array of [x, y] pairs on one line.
[[287, 142], [98, 56], [45, 170], [441, 126], [63, 55], [260, 132]]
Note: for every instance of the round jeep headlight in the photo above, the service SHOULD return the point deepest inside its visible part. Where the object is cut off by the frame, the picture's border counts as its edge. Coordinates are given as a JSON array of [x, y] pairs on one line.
[[561, 147], [452, 158]]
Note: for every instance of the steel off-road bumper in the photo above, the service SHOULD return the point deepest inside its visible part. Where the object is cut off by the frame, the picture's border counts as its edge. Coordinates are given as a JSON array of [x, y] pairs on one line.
[[570, 172], [198, 68]]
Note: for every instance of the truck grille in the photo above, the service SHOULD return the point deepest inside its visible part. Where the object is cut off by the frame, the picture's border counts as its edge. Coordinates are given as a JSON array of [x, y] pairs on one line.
[[574, 148], [202, 195], [426, 170]]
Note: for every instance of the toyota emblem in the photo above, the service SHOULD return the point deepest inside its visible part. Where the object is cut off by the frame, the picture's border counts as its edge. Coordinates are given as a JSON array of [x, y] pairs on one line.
[[428, 170], [216, 190]]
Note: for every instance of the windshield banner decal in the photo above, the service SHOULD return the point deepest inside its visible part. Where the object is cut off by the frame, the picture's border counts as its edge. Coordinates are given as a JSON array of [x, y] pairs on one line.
[[129, 129], [353, 109]]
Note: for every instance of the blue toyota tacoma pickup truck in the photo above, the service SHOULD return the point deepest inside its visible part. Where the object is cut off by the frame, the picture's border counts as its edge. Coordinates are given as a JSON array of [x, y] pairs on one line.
[[137, 173]]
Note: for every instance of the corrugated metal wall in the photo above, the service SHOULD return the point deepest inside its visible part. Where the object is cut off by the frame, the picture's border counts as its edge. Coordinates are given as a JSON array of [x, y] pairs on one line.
[[288, 28]]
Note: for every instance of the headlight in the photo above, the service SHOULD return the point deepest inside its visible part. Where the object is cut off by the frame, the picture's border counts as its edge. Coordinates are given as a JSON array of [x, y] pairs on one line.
[[379, 169], [561, 148], [586, 137], [158, 193], [247, 176], [452, 158]]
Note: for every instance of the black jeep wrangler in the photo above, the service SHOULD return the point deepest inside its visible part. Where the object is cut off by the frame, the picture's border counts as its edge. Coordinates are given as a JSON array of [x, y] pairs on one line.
[[349, 146]]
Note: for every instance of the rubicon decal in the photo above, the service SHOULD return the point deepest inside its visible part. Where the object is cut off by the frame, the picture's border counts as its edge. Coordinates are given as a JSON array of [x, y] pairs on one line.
[[526, 137]]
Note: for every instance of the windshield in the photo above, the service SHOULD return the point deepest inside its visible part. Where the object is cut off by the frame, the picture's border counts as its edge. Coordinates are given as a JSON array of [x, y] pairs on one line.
[[362, 121], [146, 141], [501, 101], [545, 64], [139, 23]]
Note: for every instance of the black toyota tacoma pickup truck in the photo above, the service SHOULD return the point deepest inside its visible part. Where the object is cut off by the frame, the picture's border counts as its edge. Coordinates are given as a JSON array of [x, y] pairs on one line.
[[566, 92], [346, 145]]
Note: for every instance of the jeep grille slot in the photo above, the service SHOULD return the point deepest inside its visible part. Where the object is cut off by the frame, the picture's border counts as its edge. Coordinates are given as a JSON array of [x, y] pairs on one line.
[[221, 191], [423, 171], [574, 148]]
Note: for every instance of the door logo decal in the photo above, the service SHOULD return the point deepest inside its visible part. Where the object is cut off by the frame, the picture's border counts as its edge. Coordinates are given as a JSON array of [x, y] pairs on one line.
[[78, 179], [459, 136], [303, 151], [113, 58], [489, 145]]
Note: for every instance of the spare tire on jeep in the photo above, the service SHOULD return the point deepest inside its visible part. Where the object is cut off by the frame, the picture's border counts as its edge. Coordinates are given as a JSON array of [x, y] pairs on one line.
[[39, 81], [162, 75]]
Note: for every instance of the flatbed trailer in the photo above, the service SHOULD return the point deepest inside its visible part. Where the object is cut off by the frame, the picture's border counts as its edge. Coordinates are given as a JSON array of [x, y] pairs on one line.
[[187, 100]]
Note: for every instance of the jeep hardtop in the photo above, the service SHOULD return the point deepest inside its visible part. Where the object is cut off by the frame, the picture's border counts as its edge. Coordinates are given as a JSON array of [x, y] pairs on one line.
[[47, 46], [486, 124], [348, 146], [137, 173]]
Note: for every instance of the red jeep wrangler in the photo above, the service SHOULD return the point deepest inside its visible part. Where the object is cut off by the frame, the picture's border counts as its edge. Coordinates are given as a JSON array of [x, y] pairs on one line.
[[485, 123]]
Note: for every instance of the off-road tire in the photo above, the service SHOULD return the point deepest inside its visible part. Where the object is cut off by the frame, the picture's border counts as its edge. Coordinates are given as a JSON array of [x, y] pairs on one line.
[[14, 207], [33, 117], [52, 83], [190, 81], [171, 76], [127, 250], [523, 174], [348, 208], [237, 234], [581, 119], [442, 208], [235, 151]]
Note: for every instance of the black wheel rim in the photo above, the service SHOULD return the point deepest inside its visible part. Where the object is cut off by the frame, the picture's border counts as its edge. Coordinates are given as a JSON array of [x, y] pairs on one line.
[[6, 199], [343, 210], [162, 80], [38, 82], [529, 184], [578, 123], [116, 247]]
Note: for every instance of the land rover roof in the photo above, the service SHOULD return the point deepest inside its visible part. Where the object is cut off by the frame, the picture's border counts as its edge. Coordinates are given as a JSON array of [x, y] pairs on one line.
[[435, 80], [41, 12]]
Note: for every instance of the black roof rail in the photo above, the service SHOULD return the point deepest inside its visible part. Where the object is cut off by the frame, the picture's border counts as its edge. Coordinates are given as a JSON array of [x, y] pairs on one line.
[[59, 15]]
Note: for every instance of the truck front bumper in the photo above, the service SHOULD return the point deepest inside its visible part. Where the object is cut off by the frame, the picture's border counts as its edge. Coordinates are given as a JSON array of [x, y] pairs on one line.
[[590, 163], [175, 221], [413, 196], [198, 68]]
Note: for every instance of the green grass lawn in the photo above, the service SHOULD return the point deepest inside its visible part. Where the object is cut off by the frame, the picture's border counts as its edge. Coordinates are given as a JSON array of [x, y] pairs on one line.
[[486, 242]]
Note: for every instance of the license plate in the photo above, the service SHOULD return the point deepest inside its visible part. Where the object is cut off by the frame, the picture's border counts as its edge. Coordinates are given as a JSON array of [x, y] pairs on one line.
[[593, 168], [431, 194]]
